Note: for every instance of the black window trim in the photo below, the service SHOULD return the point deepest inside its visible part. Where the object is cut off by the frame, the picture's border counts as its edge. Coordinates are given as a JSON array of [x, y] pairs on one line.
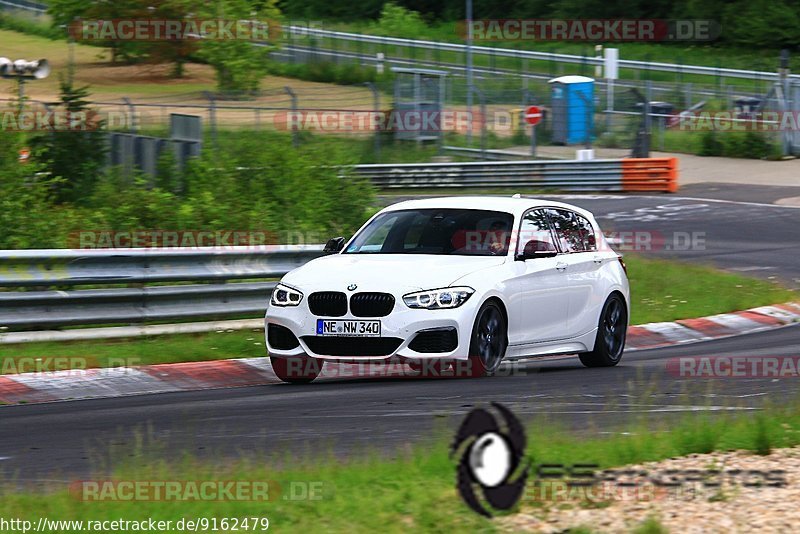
[[550, 227], [553, 233]]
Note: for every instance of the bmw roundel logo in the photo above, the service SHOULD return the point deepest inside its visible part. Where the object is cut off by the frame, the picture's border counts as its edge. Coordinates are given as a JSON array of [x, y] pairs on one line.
[[490, 452], [352, 287]]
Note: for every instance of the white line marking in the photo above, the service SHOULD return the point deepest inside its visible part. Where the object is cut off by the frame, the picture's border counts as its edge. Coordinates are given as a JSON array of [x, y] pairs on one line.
[[751, 268]]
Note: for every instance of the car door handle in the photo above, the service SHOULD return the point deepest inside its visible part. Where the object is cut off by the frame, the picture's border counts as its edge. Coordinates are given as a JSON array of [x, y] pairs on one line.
[[598, 259], [560, 266]]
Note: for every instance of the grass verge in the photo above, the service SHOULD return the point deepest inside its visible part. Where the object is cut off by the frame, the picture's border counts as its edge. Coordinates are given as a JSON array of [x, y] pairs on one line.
[[413, 491], [662, 290]]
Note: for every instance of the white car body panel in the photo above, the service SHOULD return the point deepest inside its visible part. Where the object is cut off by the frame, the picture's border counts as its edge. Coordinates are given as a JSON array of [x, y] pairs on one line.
[[553, 304]]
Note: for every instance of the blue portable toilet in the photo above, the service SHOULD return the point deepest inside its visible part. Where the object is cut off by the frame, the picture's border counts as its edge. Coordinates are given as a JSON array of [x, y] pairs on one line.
[[572, 108]]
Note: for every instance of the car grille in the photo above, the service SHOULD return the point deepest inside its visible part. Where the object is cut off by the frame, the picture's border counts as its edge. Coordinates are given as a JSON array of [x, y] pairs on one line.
[[438, 340], [352, 346], [371, 304], [281, 338], [328, 303]]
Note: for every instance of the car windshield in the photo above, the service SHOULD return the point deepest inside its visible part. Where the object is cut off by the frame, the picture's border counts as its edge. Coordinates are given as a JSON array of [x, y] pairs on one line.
[[436, 231]]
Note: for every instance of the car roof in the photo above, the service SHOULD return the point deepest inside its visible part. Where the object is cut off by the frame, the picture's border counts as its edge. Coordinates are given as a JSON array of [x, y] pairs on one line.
[[515, 205]]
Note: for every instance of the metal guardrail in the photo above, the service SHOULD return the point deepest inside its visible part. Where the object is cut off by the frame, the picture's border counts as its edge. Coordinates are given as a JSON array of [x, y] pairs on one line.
[[43, 283], [25, 5], [647, 174], [31, 271], [541, 56], [486, 50]]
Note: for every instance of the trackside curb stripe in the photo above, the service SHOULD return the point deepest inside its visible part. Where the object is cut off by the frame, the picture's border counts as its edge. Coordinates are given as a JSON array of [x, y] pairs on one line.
[[191, 376]]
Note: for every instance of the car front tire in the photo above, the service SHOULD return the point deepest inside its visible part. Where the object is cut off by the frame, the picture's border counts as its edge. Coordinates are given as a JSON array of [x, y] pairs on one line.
[[488, 343], [611, 330], [296, 369]]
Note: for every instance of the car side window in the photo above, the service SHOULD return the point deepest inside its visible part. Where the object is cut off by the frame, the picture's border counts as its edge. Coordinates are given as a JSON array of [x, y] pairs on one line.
[[567, 230], [586, 232], [535, 227]]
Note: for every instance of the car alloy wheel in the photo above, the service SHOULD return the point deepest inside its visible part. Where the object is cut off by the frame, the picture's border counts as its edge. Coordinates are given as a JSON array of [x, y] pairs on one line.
[[488, 344], [610, 341], [614, 329]]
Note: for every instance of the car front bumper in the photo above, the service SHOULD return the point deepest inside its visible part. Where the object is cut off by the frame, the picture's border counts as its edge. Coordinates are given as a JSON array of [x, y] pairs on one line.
[[402, 324]]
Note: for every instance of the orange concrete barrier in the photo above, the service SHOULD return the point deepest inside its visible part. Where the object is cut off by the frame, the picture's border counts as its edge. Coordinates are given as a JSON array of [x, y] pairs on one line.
[[650, 174]]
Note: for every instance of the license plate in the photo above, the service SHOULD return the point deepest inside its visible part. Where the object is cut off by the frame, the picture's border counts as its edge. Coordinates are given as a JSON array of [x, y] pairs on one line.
[[347, 327]]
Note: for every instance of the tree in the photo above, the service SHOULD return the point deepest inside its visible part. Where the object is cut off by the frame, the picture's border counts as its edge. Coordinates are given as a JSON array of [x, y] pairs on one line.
[[238, 64], [70, 13], [75, 157]]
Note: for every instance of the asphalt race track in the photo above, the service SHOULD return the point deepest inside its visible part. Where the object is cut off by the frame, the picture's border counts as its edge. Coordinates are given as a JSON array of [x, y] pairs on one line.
[[752, 238], [67, 440]]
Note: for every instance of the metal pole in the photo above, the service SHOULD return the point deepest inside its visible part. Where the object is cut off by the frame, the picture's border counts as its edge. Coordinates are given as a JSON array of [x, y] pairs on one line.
[[21, 94], [212, 116], [293, 96], [376, 99], [469, 72], [131, 114], [482, 103], [783, 72], [528, 102]]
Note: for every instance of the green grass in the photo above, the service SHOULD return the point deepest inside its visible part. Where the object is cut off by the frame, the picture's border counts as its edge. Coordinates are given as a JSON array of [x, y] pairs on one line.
[[661, 290], [664, 290], [414, 490], [137, 351]]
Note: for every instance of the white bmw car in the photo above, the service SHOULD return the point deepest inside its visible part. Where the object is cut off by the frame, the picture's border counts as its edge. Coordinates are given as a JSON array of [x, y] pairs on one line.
[[462, 282]]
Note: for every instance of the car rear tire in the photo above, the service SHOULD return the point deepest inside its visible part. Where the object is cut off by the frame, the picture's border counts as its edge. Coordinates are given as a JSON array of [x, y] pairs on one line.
[[488, 343], [296, 369], [610, 341]]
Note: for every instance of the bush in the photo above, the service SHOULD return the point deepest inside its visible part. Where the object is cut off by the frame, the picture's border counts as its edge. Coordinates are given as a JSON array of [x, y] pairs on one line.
[[27, 216], [710, 145], [328, 72], [258, 184], [752, 145]]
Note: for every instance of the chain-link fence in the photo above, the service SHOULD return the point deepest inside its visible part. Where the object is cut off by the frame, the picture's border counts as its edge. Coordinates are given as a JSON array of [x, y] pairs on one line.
[[493, 122]]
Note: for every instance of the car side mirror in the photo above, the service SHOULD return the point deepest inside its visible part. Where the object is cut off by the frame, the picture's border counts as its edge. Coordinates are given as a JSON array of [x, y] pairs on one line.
[[334, 245], [537, 249]]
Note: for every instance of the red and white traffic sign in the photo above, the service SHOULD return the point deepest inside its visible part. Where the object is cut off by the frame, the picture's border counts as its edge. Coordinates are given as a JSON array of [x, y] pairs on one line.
[[533, 115], [24, 154]]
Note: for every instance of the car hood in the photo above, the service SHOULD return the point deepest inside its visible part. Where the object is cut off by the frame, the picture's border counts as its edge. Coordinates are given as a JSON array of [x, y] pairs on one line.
[[399, 273]]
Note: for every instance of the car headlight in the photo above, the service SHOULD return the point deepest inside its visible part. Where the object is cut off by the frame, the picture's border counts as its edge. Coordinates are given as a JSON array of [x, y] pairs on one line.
[[436, 299], [285, 296]]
